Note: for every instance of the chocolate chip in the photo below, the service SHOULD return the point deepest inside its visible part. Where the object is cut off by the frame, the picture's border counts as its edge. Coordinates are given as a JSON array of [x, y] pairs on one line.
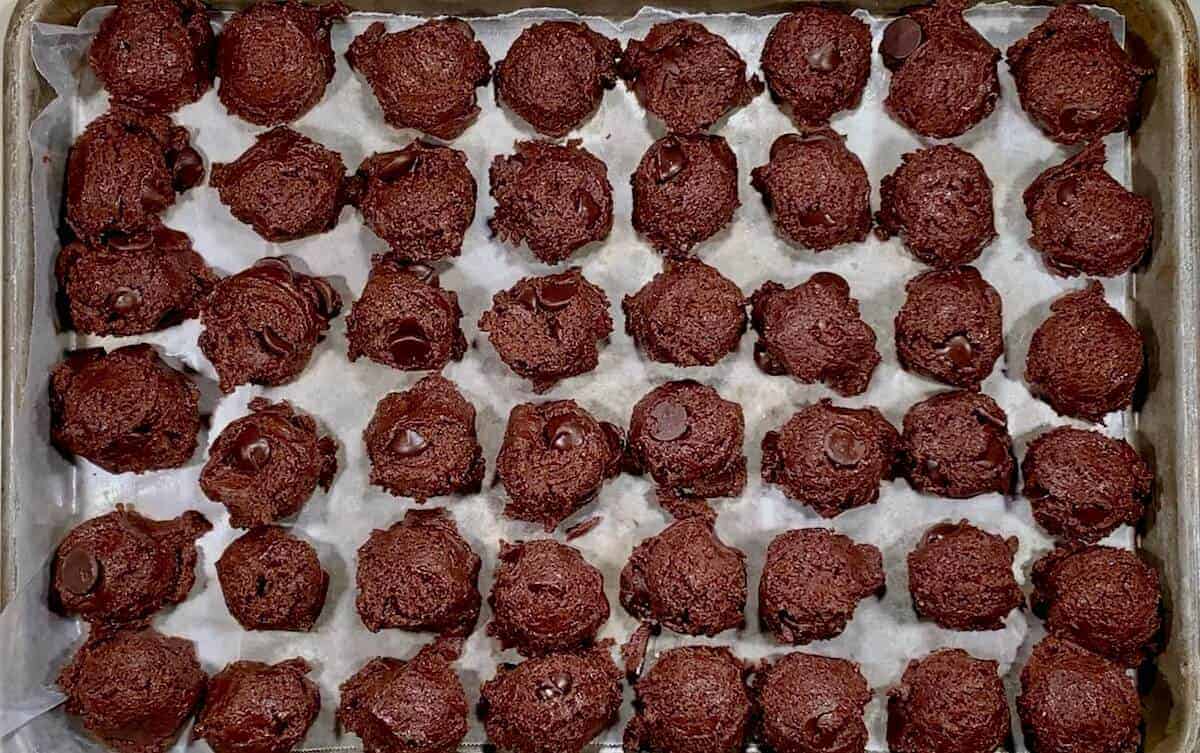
[[791, 139], [565, 432], [527, 296], [556, 292], [814, 216], [563, 681], [187, 170], [670, 160], [410, 345], [153, 200], [1068, 190], [407, 443], [586, 206], [996, 454], [901, 38], [124, 301], [79, 571], [767, 361], [328, 302], [958, 349], [274, 268], [547, 690], [422, 272], [668, 421], [825, 58], [830, 281], [1078, 118], [843, 447], [251, 450], [400, 165], [274, 344], [131, 243]]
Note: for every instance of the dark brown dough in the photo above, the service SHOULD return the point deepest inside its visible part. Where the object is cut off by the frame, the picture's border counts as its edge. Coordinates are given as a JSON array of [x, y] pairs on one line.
[[685, 191], [272, 580], [1084, 221], [261, 325], [811, 704], [131, 285], [127, 411], [424, 77], [275, 60], [948, 702], [555, 198], [961, 577], [420, 574], [422, 442], [155, 56], [547, 329], [251, 707], [812, 581], [121, 567], [134, 689], [956, 444], [815, 333], [816, 190], [555, 75], [1085, 360]]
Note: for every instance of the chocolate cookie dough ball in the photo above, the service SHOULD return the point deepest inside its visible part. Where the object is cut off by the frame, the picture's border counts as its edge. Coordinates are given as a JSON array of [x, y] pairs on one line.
[[1085, 360], [943, 71], [948, 702], [251, 707], [816, 190], [424, 77], [831, 458], [272, 580], [686, 76], [420, 574], [817, 61], [815, 333], [939, 201], [555, 198], [422, 442], [1086, 222], [810, 704], [555, 75], [690, 441], [133, 689], [261, 325], [274, 59], [419, 199], [121, 567], [951, 327], [404, 319], [127, 411], [812, 582], [155, 56], [956, 444], [685, 191], [961, 577], [123, 172], [693, 699], [552, 704], [554, 459], [1104, 599], [1073, 78], [130, 285], [1082, 485]]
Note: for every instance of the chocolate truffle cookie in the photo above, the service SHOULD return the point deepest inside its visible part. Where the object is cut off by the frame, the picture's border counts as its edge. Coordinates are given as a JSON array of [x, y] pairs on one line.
[[130, 285], [1082, 485], [817, 61], [1085, 360], [275, 60], [812, 582], [961, 577], [1086, 222], [690, 440], [554, 459], [264, 466], [422, 442], [1104, 599], [556, 198], [686, 76], [694, 699], [816, 190], [121, 567], [251, 707], [155, 56], [812, 704], [956, 444], [552, 704], [420, 574], [134, 689], [830, 458], [261, 325], [939, 201], [127, 411], [419, 199], [555, 74], [684, 192], [123, 172], [948, 702], [272, 580], [815, 333], [1073, 78], [951, 327], [424, 77]]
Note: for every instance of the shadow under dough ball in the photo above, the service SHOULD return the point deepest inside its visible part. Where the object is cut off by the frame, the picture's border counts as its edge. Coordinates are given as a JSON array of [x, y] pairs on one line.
[[948, 702], [956, 444], [961, 577], [272, 580], [252, 707], [812, 704]]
